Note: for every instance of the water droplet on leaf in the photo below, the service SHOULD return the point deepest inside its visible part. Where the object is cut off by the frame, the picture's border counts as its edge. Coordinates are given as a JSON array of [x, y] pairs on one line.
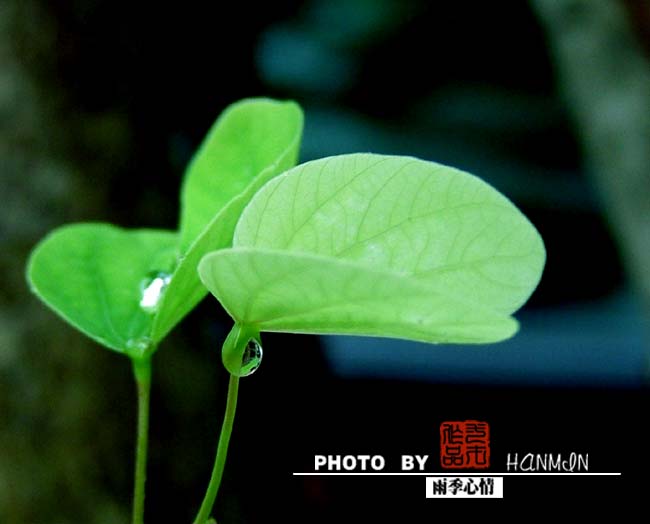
[[153, 289], [251, 359]]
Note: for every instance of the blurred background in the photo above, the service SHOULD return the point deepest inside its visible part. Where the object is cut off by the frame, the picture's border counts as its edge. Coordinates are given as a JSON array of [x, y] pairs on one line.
[[101, 106]]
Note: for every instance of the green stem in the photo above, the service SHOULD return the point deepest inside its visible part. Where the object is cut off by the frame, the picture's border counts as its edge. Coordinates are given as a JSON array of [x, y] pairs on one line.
[[142, 373], [222, 450]]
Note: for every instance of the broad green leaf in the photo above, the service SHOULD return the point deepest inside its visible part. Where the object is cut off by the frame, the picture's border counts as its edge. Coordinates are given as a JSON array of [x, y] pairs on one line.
[[435, 224], [249, 137], [379, 245], [252, 142], [93, 275]]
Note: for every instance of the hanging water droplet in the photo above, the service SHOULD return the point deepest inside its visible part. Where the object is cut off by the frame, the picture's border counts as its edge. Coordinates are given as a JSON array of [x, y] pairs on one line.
[[138, 346], [152, 290], [251, 359], [241, 353]]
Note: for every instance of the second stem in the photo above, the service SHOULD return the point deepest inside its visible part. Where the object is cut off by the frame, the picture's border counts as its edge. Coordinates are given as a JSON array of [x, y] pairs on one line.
[[222, 451], [142, 373]]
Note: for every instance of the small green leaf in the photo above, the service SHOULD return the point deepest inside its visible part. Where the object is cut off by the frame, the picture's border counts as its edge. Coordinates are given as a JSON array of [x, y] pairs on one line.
[[93, 275], [250, 136], [252, 142], [379, 245]]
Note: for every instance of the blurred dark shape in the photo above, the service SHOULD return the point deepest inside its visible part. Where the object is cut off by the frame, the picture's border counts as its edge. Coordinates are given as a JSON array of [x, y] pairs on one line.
[[638, 14], [565, 346], [291, 59], [605, 79], [319, 53]]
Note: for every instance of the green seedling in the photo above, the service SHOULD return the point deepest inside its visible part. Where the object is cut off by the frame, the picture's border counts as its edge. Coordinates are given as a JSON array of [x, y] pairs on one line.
[[357, 244], [127, 289]]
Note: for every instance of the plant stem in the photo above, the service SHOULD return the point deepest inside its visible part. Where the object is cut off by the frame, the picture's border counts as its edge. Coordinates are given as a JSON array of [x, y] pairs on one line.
[[142, 374], [222, 450]]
